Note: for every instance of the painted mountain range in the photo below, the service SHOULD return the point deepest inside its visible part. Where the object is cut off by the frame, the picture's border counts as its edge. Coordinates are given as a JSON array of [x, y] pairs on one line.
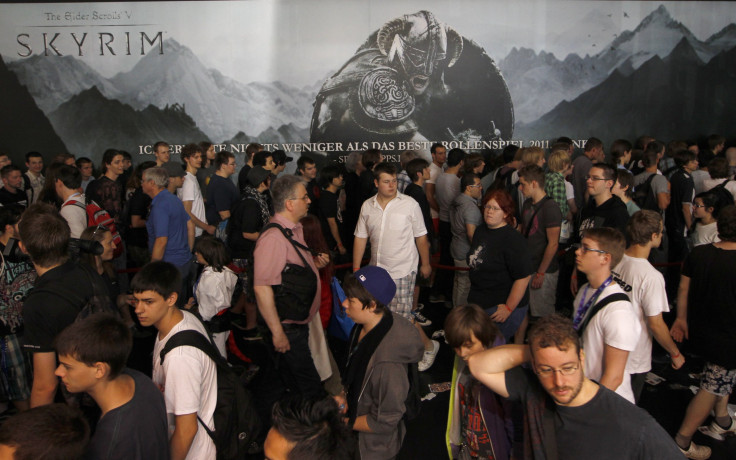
[[220, 106], [538, 82], [23, 126], [677, 97]]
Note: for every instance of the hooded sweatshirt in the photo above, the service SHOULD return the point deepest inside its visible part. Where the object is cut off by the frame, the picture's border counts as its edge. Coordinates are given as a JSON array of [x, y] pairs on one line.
[[385, 388]]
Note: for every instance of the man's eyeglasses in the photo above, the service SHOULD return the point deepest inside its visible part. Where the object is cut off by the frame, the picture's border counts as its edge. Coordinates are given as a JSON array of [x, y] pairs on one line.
[[593, 178], [586, 249], [549, 372], [698, 205], [304, 198]]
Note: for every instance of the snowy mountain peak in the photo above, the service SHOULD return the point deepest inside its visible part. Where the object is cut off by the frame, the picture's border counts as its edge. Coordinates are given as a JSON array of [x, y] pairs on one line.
[[658, 16]]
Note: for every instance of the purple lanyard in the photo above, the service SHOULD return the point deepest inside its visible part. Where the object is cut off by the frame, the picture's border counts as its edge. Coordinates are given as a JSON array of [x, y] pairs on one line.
[[583, 309]]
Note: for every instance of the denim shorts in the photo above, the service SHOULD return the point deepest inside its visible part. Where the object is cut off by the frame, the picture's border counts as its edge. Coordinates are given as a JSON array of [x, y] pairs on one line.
[[509, 327]]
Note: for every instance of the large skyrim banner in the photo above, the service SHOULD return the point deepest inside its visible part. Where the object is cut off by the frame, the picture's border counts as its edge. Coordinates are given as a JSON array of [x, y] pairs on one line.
[[334, 76]]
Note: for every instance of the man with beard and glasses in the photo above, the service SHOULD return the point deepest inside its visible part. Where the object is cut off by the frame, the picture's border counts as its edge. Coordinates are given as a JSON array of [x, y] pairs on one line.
[[566, 414]]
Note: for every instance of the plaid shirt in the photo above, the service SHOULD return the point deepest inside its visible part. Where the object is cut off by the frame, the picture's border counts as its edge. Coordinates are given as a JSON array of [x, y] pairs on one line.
[[554, 186]]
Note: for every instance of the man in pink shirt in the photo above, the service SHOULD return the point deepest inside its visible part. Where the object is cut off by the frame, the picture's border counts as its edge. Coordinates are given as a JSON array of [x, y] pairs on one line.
[[287, 332]]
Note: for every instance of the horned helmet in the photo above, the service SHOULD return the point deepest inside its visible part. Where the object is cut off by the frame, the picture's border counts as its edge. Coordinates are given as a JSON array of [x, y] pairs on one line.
[[418, 45]]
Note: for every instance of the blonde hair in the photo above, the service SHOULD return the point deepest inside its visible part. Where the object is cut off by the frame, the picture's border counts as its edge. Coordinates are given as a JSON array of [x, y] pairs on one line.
[[558, 161]]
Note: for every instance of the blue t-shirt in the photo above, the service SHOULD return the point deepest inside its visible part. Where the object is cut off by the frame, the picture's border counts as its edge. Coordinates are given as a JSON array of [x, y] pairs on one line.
[[169, 218]]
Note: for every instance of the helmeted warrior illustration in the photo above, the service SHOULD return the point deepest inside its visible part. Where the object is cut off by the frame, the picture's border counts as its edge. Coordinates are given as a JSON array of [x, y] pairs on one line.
[[414, 79]]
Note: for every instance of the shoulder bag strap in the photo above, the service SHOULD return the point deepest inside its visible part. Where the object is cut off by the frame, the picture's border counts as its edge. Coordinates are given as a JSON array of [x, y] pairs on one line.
[[619, 296], [287, 234]]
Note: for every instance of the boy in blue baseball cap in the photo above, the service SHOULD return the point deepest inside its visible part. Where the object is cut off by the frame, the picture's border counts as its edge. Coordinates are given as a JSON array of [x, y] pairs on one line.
[[382, 345]]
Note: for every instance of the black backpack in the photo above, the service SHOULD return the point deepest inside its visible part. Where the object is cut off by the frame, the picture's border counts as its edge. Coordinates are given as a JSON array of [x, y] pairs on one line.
[[723, 196], [644, 195], [237, 425]]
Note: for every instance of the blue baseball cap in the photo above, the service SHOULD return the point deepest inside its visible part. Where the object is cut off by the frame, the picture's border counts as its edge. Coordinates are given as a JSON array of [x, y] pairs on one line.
[[377, 282]]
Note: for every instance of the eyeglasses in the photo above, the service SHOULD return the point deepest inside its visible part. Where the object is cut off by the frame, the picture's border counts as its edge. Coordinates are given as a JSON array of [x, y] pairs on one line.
[[698, 205], [586, 249], [547, 372], [304, 198], [593, 178], [476, 185], [491, 208]]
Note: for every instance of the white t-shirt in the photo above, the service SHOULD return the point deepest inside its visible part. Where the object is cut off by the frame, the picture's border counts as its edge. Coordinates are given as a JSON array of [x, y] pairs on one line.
[[699, 176], [434, 173], [644, 285], [705, 233], [188, 379], [617, 325], [190, 191], [214, 291], [75, 215], [392, 231], [569, 191]]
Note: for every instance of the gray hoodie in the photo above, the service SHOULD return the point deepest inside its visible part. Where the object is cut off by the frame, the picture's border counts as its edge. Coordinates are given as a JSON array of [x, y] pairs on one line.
[[385, 388]]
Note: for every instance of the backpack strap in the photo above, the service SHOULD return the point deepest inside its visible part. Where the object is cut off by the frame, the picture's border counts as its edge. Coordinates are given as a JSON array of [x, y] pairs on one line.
[[192, 338], [617, 297]]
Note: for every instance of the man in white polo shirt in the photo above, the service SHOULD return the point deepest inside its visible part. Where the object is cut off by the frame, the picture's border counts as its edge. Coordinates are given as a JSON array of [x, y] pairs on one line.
[[394, 223]]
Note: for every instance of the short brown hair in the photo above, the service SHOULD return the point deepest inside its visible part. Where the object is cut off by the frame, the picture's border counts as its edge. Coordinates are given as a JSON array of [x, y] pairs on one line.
[[533, 173], [98, 338], [46, 432], [45, 235], [554, 331], [642, 225], [464, 319], [727, 223], [610, 240]]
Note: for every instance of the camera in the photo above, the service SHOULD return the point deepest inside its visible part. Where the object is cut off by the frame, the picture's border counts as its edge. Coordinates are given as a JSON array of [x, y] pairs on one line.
[[13, 253]]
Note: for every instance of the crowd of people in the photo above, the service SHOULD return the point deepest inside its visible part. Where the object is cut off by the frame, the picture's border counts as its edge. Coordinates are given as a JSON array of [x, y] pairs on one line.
[[558, 272]]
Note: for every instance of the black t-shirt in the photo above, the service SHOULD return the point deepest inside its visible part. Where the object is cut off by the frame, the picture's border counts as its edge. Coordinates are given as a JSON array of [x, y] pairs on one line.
[[19, 197], [367, 186], [221, 196], [243, 178], [329, 207], [54, 303], [139, 204], [548, 216], [245, 218], [682, 190], [606, 427], [497, 258], [711, 303], [417, 192], [136, 430], [612, 213], [314, 193]]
